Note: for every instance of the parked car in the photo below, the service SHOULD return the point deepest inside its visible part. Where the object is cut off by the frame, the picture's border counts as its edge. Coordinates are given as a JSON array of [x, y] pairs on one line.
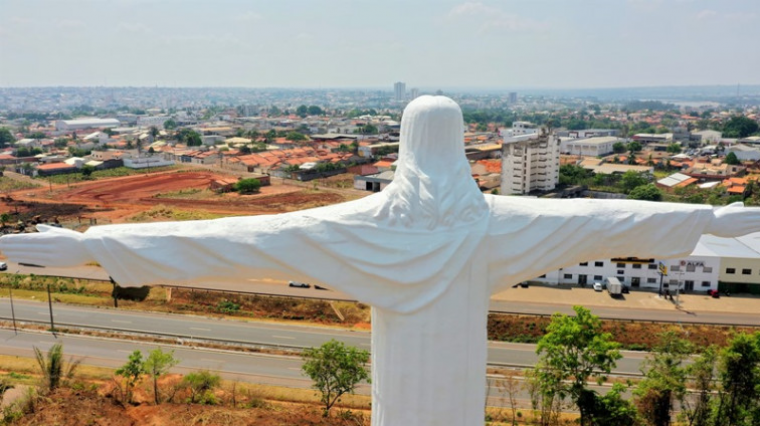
[[3, 266], [298, 285], [598, 287]]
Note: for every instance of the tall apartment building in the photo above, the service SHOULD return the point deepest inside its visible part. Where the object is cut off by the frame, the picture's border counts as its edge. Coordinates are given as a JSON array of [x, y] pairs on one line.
[[399, 90], [415, 93], [512, 97], [529, 161]]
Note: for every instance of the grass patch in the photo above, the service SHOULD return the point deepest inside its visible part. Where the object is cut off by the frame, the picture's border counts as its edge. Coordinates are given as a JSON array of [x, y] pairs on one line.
[[187, 194], [7, 184], [104, 174], [162, 212]]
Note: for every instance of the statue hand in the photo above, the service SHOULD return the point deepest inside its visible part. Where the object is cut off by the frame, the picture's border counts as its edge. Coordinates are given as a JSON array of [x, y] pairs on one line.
[[734, 220], [52, 246]]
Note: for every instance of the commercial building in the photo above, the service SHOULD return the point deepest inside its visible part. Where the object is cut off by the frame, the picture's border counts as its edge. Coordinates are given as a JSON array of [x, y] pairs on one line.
[[590, 147], [86, 123], [530, 162], [727, 264]]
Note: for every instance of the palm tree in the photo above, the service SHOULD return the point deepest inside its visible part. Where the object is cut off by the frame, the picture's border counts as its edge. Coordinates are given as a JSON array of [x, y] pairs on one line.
[[52, 366]]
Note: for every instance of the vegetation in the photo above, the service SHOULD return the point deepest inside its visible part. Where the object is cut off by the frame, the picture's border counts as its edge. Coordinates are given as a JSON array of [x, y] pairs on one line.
[[101, 174], [201, 384], [335, 369], [156, 365], [54, 371], [132, 371], [248, 186], [6, 137], [574, 350], [648, 192], [732, 159], [740, 127]]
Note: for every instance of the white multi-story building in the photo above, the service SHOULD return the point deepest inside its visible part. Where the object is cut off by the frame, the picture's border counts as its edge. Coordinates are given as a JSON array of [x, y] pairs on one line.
[[529, 161], [399, 90], [152, 120]]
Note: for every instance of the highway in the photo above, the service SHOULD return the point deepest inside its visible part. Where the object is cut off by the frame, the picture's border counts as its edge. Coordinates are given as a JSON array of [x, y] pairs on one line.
[[264, 286], [193, 328]]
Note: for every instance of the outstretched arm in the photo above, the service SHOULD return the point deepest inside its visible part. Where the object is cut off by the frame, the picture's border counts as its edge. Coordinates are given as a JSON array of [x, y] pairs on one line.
[[229, 250], [529, 237]]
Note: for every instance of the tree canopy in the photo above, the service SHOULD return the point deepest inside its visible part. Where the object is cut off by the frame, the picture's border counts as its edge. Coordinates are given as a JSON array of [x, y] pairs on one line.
[[335, 369], [647, 192], [248, 186], [731, 158], [740, 127], [6, 137]]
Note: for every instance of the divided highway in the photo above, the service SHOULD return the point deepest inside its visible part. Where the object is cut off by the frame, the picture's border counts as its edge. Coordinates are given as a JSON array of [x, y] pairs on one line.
[[190, 328]]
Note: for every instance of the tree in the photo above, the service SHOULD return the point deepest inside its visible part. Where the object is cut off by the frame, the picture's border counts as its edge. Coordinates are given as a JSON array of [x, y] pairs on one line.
[[647, 192], [170, 124], [248, 186], [154, 132], [245, 149], [87, 170], [6, 137], [573, 350], [200, 384], [664, 379], [739, 373], [336, 369], [315, 110], [732, 159], [634, 147], [295, 136], [60, 142], [632, 179], [697, 409], [54, 372], [156, 365], [131, 371], [193, 138], [619, 148], [674, 148], [739, 127], [302, 111]]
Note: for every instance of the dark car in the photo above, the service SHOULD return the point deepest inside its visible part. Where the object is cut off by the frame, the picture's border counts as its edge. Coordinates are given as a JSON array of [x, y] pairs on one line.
[[3, 266], [298, 285]]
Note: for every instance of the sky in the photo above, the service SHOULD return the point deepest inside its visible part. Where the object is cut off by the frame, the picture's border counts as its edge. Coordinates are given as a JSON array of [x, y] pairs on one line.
[[505, 44]]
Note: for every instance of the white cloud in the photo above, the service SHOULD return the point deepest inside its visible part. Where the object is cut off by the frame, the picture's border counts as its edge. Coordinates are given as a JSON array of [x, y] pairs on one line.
[[491, 19], [68, 23], [706, 14], [18, 20], [249, 16], [133, 27]]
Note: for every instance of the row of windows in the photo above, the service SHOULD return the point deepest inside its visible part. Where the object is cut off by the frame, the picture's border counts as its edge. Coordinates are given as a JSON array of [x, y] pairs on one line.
[[673, 268], [744, 271], [687, 283]]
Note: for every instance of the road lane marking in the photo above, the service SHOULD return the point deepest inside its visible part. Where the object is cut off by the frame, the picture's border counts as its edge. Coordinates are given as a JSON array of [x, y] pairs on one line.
[[285, 337], [200, 329]]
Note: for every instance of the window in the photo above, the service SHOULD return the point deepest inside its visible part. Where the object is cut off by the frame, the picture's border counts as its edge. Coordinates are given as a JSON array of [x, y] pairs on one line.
[[598, 278], [653, 266], [707, 269], [689, 284], [651, 280], [598, 264], [568, 276], [621, 265], [705, 283], [690, 267], [621, 279], [620, 272], [730, 270], [584, 263], [636, 266], [746, 271], [675, 268]]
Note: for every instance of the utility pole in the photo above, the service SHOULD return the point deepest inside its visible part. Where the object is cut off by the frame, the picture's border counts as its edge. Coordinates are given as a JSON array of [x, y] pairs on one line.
[[50, 305], [13, 311]]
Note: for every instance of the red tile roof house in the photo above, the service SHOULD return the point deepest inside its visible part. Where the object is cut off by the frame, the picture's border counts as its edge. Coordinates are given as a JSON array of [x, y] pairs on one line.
[[55, 169]]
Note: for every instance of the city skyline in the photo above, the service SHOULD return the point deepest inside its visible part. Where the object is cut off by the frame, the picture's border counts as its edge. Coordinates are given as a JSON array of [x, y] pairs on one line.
[[340, 44]]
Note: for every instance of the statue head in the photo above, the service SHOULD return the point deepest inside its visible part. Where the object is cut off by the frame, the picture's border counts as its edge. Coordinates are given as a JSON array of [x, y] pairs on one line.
[[433, 184]]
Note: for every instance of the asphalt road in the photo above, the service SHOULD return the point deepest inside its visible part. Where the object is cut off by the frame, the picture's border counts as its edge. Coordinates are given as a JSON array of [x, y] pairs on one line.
[[264, 286], [252, 368], [190, 328]]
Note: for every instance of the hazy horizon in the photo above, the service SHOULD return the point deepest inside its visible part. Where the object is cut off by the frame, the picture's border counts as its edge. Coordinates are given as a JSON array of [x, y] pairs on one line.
[[355, 45]]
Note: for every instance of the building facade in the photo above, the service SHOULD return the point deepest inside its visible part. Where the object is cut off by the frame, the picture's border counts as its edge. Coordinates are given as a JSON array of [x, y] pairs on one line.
[[530, 162], [399, 91]]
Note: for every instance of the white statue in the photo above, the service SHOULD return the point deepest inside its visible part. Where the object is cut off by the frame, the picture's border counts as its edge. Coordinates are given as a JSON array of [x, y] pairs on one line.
[[426, 253]]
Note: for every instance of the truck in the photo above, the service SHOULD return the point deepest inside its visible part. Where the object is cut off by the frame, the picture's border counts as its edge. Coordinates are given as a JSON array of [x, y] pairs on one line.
[[614, 287]]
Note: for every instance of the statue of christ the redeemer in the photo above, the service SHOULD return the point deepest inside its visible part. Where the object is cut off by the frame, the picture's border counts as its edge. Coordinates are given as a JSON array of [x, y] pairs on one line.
[[426, 253]]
